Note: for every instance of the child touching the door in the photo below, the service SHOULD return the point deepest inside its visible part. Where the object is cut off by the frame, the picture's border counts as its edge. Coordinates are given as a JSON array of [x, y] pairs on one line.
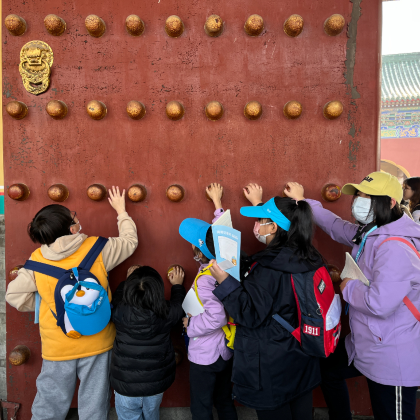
[[210, 359], [143, 359], [67, 357]]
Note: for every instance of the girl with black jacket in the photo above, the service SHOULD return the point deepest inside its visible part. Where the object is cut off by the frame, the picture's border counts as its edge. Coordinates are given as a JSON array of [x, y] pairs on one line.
[[270, 371], [143, 359]]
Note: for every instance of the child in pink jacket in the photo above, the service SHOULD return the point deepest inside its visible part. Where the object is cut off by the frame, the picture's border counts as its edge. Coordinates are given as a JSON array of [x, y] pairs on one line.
[[210, 359]]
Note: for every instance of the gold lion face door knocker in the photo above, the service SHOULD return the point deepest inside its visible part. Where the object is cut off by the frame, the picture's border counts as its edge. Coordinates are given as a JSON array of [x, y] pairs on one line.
[[36, 59]]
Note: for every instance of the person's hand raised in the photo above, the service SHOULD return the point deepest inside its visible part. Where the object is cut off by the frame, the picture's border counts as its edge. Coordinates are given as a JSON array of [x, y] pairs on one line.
[[131, 269], [117, 200], [294, 190], [215, 192], [254, 193], [176, 276]]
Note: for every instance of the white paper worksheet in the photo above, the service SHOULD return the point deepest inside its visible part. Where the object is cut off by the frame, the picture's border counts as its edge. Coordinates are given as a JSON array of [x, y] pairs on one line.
[[352, 271], [191, 305]]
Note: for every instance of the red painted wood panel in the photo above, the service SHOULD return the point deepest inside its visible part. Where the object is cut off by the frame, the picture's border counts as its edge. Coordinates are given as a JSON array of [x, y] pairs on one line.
[[193, 69]]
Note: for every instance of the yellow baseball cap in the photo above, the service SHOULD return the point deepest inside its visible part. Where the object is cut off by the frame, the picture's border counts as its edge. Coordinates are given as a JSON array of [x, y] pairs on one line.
[[377, 183]]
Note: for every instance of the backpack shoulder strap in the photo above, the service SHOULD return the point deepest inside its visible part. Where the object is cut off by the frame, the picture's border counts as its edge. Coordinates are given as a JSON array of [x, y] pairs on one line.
[[204, 272], [94, 252], [402, 240], [406, 300], [47, 269]]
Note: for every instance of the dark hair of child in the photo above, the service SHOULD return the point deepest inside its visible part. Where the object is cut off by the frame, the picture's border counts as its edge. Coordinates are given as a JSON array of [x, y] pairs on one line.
[[381, 205], [49, 224], [299, 236], [144, 289]]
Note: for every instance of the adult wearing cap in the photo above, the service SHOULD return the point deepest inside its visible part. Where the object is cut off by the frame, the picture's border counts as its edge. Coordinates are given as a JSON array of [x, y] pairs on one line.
[[271, 373], [384, 343]]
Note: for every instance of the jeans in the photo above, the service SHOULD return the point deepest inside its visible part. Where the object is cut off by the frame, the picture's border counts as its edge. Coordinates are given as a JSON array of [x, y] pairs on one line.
[[138, 408]]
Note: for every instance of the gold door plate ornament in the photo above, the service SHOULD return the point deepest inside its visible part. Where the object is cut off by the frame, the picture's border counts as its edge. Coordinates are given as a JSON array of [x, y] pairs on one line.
[[36, 59]]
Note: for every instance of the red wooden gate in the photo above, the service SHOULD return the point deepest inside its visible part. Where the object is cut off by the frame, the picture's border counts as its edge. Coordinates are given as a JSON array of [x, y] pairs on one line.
[[234, 68]]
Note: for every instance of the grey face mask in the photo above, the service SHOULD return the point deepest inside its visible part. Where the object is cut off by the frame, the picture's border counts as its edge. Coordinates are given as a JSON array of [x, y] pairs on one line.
[[361, 210]]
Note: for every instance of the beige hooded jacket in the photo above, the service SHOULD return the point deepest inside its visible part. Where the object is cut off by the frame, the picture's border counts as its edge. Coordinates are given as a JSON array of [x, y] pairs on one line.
[[21, 292]]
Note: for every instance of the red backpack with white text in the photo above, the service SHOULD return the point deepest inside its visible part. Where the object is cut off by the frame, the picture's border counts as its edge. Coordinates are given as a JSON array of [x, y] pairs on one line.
[[319, 312]]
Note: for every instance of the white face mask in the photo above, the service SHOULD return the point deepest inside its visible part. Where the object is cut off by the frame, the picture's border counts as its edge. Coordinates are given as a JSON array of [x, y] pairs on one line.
[[360, 210], [261, 238]]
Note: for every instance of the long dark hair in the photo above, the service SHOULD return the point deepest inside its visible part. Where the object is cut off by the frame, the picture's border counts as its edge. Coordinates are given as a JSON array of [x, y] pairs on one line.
[[300, 235], [144, 289], [381, 208], [414, 184], [49, 224]]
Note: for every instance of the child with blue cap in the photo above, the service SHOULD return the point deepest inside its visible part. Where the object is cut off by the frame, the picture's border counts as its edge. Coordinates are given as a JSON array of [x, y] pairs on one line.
[[210, 359], [271, 373]]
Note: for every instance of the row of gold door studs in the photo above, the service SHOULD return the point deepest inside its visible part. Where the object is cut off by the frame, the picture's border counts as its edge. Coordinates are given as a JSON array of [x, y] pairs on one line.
[[174, 110], [137, 192], [174, 26]]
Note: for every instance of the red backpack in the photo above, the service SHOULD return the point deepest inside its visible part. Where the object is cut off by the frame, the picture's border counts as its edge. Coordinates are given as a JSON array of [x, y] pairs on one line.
[[319, 312]]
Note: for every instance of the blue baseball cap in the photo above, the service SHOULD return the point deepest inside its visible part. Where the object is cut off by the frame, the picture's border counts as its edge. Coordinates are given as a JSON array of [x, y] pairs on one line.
[[194, 231], [268, 210], [89, 320]]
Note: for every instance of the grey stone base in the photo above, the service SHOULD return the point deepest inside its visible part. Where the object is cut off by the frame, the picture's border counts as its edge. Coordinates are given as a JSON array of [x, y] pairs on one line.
[[183, 413], [178, 413]]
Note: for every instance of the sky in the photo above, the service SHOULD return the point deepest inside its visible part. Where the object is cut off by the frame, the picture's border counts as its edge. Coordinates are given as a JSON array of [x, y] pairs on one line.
[[400, 26]]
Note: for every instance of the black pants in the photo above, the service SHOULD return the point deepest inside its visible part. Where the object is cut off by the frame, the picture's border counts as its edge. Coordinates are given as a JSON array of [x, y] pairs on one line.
[[297, 409], [388, 402], [211, 384]]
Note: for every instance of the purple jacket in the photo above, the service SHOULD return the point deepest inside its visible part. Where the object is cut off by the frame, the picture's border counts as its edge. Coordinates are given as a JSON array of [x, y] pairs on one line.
[[385, 336], [207, 339]]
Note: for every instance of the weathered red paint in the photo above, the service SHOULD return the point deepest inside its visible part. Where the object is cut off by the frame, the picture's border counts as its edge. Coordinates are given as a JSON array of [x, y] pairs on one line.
[[156, 152]]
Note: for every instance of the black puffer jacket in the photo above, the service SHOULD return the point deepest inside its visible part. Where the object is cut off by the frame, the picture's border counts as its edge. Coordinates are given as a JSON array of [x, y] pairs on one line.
[[269, 367], [143, 359]]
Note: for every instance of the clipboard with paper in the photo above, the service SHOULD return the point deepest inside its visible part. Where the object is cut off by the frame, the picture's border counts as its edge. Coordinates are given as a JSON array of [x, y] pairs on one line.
[[227, 245]]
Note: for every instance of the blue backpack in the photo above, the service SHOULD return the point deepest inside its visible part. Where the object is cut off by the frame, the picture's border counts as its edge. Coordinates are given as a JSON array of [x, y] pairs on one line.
[[81, 302]]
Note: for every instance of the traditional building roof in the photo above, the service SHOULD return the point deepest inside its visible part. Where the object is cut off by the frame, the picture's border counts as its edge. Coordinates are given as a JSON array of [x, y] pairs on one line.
[[400, 80]]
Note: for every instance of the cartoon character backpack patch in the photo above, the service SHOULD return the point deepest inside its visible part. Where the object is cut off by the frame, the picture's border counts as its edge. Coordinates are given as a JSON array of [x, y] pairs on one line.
[[81, 302]]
